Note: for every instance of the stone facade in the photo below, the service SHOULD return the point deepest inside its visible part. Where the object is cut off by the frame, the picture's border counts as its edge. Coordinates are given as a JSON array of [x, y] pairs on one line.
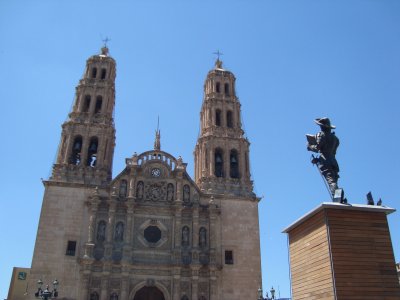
[[151, 232], [19, 284]]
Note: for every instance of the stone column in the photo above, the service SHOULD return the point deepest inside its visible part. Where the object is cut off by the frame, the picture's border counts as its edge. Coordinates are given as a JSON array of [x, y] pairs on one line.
[[195, 243], [195, 282], [67, 152], [212, 162], [92, 215], [128, 232], [110, 229], [124, 289], [178, 227], [104, 289], [101, 149], [131, 190], [179, 191], [214, 235], [213, 285], [177, 284], [84, 150], [84, 288], [203, 161], [226, 163]]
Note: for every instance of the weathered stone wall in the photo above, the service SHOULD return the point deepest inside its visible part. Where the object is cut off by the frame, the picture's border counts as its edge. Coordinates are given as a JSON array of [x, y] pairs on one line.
[[240, 234], [63, 218]]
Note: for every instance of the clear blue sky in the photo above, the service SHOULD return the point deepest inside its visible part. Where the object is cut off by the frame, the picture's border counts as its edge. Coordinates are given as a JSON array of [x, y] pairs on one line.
[[294, 61]]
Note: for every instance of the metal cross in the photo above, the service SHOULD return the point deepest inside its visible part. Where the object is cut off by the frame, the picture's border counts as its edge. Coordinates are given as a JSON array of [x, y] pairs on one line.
[[106, 40], [218, 54]]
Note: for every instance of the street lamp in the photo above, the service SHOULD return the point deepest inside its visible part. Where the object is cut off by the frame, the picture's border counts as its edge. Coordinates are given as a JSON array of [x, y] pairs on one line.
[[272, 293], [46, 294], [260, 294]]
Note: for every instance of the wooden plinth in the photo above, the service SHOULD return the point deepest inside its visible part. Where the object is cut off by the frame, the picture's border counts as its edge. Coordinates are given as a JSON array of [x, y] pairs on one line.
[[343, 252]]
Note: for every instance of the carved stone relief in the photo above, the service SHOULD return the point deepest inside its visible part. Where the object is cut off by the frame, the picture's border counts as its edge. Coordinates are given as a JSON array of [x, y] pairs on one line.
[[156, 191]]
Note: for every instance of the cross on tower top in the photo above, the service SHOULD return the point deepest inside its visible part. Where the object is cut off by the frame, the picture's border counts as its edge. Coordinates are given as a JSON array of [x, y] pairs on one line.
[[106, 40], [218, 62], [218, 54]]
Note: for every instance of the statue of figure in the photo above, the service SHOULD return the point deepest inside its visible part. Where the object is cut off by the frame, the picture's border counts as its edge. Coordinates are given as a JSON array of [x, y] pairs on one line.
[[325, 143], [119, 232], [123, 188], [202, 237], [101, 231], [139, 190], [170, 192], [186, 193], [185, 236]]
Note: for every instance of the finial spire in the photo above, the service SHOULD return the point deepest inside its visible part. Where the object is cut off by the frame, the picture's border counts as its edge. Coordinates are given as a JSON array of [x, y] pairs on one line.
[[218, 62], [157, 142], [104, 49], [105, 41]]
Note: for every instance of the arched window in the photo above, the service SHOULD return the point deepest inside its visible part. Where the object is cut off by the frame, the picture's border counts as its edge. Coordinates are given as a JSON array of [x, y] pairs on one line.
[[234, 164], [92, 152], [75, 158], [94, 296], [119, 232], [123, 186], [185, 236], [101, 231], [114, 296], [226, 89], [218, 87], [219, 163], [103, 73], [99, 102], [229, 119], [94, 72], [202, 237], [86, 104], [218, 117]]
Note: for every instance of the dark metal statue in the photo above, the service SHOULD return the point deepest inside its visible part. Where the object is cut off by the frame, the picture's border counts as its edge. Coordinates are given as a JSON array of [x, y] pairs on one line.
[[370, 199], [326, 143]]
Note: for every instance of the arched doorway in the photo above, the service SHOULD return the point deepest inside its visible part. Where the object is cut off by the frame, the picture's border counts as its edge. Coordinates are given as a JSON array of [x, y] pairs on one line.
[[149, 293]]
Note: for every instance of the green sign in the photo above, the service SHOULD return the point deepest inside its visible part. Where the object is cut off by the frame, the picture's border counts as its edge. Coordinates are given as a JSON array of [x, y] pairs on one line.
[[21, 275]]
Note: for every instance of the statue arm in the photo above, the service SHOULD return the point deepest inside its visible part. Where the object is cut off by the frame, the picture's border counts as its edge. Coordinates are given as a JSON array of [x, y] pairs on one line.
[[313, 148], [320, 142]]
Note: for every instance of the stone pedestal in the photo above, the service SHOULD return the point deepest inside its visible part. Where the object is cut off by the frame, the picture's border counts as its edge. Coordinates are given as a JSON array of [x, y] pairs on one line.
[[343, 252]]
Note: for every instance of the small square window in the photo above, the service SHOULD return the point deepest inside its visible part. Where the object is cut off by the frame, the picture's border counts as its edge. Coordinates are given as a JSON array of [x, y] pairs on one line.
[[228, 257], [71, 248]]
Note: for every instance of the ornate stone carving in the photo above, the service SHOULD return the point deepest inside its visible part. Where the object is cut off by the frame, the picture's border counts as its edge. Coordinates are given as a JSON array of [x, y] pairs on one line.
[[156, 191], [150, 282]]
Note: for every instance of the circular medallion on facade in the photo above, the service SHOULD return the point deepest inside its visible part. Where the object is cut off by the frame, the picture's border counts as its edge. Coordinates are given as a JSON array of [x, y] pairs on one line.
[[152, 234], [156, 172], [155, 193]]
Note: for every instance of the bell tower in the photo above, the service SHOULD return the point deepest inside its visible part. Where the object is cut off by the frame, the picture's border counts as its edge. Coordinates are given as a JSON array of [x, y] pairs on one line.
[[84, 161], [86, 150], [222, 151], [222, 173]]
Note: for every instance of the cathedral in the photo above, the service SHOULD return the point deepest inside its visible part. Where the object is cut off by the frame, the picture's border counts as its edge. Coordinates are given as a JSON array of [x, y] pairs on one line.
[[152, 231]]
